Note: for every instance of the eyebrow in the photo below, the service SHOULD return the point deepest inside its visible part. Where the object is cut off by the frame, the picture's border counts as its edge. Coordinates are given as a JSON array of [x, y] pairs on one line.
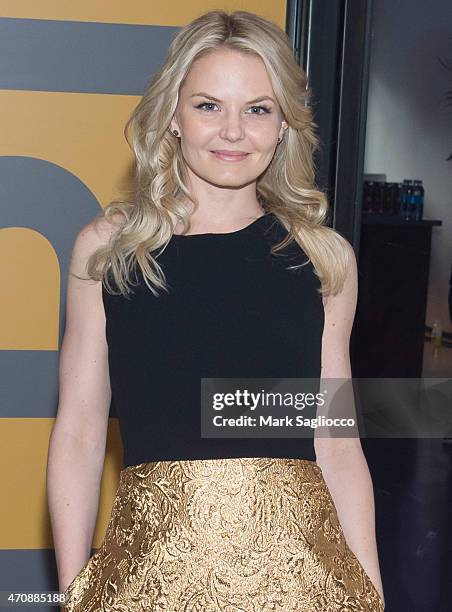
[[206, 95]]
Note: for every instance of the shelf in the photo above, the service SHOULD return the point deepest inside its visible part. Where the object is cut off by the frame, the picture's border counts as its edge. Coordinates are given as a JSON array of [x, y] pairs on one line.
[[380, 219]]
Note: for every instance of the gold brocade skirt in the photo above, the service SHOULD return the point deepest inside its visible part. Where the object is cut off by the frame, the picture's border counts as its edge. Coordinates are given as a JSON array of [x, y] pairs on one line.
[[232, 535]]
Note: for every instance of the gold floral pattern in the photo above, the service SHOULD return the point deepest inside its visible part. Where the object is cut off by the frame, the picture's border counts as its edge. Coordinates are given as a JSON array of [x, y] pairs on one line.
[[231, 535]]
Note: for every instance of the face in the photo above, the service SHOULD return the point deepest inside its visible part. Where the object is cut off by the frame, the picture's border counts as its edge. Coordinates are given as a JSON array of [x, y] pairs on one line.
[[227, 104]]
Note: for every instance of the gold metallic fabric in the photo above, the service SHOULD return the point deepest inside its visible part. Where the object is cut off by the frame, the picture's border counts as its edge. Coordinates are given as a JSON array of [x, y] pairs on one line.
[[231, 535]]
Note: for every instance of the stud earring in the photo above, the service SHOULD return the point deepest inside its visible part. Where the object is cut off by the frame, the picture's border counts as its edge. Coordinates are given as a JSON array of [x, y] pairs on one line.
[[175, 132]]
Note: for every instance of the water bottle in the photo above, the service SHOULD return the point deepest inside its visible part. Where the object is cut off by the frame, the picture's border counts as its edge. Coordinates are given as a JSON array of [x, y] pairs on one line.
[[416, 200], [398, 199], [419, 190], [380, 196], [421, 208], [412, 201], [404, 199], [368, 196], [392, 199]]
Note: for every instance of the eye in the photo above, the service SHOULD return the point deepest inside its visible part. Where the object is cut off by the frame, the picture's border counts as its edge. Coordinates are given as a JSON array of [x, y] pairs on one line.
[[204, 104], [265, 109]]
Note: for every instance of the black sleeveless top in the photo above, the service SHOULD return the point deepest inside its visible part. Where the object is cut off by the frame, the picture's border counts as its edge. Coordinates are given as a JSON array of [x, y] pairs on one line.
[[233, 310]]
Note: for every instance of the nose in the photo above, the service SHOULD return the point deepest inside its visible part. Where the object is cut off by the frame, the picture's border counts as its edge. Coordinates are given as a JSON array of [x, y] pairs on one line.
[[232, 126]]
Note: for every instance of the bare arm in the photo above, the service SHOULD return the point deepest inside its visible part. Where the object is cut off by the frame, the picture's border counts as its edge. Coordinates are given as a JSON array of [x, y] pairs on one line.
[[77, 443], [341, 459]]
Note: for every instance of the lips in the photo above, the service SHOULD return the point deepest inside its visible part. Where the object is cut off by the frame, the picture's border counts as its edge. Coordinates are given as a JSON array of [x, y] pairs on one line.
[[230, 155], [225, 152]]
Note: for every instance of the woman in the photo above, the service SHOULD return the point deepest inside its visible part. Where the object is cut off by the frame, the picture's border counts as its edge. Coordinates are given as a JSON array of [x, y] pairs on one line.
[[220, 265]]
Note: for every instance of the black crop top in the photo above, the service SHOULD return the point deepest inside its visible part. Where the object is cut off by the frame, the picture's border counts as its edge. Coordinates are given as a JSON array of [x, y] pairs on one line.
[[232, 311]]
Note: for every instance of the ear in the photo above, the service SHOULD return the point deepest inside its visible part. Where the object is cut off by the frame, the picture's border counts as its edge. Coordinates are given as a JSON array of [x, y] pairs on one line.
[[284, 127], [173, 125]]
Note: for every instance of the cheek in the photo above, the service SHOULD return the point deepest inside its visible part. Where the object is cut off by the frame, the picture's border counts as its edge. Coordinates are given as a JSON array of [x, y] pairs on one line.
[[261, 135], [267, 134], [198, 135]]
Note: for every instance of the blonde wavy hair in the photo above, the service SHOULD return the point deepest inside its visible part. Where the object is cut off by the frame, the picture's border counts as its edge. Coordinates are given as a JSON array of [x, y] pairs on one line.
[[287, 188]]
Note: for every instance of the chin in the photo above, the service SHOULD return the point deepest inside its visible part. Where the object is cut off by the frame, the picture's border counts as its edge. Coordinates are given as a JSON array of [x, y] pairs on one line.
[[228, 181]]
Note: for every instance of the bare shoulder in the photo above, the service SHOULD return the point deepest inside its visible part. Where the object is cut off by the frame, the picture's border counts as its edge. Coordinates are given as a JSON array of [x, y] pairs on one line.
[[345, 300], [98, 232]]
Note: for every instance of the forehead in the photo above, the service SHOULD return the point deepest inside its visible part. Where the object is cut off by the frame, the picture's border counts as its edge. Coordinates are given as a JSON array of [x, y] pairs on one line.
[[225, 71]]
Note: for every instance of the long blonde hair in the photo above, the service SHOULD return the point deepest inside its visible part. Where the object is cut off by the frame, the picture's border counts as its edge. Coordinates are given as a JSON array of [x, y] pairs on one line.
[[287, 187]]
